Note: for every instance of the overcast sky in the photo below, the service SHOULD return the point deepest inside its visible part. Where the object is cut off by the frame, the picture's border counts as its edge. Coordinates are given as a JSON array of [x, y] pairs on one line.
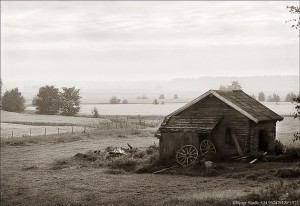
[[146, 40]]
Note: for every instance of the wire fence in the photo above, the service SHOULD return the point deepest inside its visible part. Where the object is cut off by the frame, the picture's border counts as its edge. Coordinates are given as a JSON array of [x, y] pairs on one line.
[[11, 130]]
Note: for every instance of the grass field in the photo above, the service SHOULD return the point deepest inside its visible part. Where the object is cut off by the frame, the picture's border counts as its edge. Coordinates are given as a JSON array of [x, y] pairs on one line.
[[28, 176], [20, 124]]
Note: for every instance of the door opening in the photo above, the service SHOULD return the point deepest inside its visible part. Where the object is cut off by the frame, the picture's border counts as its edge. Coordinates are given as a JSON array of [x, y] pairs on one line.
[[262, 141]]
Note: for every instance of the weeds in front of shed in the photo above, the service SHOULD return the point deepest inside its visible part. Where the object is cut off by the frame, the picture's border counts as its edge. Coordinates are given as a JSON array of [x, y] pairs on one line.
[[134, 160]]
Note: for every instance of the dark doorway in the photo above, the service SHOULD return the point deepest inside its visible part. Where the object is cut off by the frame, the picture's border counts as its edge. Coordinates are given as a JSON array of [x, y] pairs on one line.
[[262, 141]]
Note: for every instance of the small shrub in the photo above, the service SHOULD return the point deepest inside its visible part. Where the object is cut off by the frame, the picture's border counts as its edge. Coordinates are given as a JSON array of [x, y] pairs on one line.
[[140, 154], [278, 147], [152, 149], [95, 112], [293, 153], [288, 173]]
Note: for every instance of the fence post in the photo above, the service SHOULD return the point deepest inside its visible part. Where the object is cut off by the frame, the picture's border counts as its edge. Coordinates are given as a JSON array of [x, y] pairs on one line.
[[58, 130], [12, 133], [72, 130], [84, 129], [30, 132], [45, 132]]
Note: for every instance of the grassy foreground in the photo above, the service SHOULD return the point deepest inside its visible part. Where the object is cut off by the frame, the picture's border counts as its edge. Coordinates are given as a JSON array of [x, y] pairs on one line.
[[49, 173]]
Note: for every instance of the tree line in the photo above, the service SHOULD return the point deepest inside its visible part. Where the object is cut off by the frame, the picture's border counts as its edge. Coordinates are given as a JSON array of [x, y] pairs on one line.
[[49, 100], [235, 85]]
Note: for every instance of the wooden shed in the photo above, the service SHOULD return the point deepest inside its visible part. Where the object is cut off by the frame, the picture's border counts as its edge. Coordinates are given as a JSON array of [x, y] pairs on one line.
[[232, 121]]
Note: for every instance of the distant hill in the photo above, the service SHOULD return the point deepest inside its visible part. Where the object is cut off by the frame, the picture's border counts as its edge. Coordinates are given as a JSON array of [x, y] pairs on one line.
[[186, 88]]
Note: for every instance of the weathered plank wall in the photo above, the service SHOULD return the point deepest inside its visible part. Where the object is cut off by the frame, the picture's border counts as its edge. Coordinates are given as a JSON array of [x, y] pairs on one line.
[[171, 142]]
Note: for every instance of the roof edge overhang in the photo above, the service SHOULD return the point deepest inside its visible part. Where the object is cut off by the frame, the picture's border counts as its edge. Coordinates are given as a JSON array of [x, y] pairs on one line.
[[220, 98]]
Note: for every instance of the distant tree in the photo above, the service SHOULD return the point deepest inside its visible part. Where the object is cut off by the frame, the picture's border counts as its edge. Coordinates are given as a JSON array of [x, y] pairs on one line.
[[274, 98], [296, 24], [48, 100], [235, 85], [138, 97], [253, 96], [297, 115], [270, 99], [155, 101], [162, 102], [222, 88], [162, 96], [175, 96], [261, 96], [296, 21], [144, 97], [13, 101], [125, 101], [290, 97], [95, 112], [70, 101], [114, 100]]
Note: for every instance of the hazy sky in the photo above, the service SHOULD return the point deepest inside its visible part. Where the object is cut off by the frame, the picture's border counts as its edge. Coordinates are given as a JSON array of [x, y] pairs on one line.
[[146, 40]]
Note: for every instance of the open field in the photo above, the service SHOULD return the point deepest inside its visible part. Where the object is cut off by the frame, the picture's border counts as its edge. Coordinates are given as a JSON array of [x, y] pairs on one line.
[[19, 124], [282, 108], [28, 178]]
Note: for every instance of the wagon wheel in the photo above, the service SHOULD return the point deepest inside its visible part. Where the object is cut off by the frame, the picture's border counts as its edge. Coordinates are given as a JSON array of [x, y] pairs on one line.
[[207, 149], [187, 155]]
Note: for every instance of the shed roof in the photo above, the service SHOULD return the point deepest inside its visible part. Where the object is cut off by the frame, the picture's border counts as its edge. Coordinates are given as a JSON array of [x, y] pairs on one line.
[[238, 100], [203, 124]]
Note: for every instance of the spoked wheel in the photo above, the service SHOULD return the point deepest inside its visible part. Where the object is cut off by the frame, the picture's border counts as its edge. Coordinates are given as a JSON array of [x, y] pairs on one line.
[[187, 155], [207, 149]]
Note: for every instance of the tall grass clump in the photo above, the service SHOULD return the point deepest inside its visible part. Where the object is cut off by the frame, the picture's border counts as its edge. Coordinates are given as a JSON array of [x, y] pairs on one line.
[[293, 153], [277, 191], [278, 147]]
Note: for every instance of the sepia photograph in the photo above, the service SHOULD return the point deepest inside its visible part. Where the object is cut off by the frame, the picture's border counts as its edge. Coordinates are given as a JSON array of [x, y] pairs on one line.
[[167, 103]]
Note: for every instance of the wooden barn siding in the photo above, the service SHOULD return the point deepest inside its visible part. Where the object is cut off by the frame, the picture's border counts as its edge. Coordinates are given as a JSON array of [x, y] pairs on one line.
[[171, 142], [270, 127], [239, 123]]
